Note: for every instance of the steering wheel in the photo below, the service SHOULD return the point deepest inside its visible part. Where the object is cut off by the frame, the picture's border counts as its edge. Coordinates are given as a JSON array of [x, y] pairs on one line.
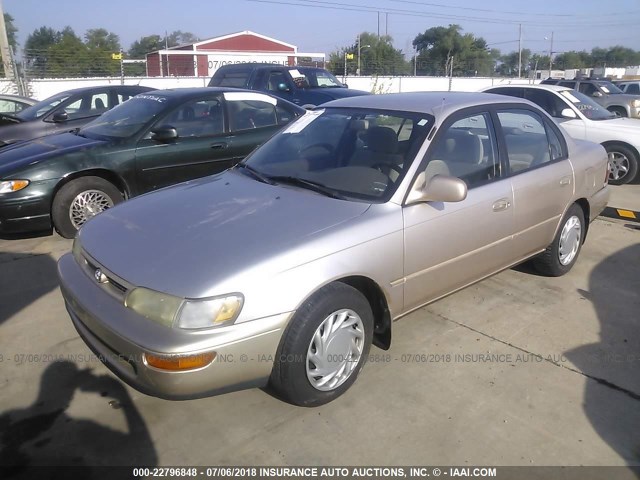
[[386, 168]]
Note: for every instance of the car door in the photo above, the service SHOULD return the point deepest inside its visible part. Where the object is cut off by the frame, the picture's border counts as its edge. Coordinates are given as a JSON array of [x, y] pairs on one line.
[[278, 82], [450, 245], [541, 176], [203, 145]]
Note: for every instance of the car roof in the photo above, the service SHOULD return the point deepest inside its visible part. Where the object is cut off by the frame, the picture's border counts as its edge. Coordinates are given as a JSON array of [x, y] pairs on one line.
[[108, 87], [5, 96], [197, 91], [423, 102], [539, 86]]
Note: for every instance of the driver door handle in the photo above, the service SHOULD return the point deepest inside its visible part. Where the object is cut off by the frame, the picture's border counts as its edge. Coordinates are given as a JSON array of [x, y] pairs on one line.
[[218, 146], [501, 204]]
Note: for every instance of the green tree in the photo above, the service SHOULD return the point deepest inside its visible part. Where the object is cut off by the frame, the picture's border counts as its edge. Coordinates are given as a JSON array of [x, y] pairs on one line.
[[179, 37], [101, 44], [378, 57], [68, 57], [11, 31], [509, 63], [445, 49], [147, 44]]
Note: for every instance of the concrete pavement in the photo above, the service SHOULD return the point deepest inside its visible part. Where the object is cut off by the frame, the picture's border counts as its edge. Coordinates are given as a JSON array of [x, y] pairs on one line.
[[516, 370]]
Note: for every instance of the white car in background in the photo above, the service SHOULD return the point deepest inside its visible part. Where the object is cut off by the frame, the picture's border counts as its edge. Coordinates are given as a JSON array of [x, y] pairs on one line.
[[586, 120]]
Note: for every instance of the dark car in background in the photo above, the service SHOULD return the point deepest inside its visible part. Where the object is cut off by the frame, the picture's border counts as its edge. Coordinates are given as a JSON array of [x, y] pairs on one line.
[[13, 104], [603, 92], [63, 111], [305, 86], [154, 140]]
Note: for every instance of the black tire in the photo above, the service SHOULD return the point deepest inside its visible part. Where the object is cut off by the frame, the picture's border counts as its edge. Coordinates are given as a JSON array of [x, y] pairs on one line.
[[620, 150], [548, 262], [289, 378], [619, 111], [62, 202]]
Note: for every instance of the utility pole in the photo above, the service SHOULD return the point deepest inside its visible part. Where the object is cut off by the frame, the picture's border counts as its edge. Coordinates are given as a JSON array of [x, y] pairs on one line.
[[520, 52], [551, 54], [121, 68], [378, 23], [415, 62], [4, 48], [386, 24]]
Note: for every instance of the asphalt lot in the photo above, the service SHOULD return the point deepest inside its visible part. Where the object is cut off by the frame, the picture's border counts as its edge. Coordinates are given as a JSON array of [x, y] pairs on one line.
[[516, 370]]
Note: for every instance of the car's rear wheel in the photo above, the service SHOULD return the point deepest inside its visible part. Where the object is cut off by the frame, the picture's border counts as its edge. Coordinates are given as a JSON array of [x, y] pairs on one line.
[[80, 200], [324, 348], [561, 255], [623, 164]]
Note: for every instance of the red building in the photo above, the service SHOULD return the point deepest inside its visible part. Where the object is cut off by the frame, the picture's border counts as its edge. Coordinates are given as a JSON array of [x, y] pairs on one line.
[[202, 58]]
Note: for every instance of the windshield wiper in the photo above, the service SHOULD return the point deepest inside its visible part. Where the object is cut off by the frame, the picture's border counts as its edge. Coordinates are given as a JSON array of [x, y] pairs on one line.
[[256, 174], [309, 184]]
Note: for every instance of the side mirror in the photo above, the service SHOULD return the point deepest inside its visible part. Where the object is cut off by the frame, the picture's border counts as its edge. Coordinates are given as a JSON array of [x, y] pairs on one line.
[[283, 87], [568, 113], [596, 94], [439, 188], [60, 117], [164, 133]]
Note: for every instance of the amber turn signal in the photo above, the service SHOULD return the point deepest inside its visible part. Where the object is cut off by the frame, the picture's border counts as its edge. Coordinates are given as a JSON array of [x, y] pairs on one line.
[[179, 363]]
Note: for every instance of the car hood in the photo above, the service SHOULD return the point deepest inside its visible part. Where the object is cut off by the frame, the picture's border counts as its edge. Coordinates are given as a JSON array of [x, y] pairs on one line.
[[32, 152], [188, 238]]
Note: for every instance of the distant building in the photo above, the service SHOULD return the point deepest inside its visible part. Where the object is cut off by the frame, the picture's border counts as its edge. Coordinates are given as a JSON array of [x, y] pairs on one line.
[[202, 59]]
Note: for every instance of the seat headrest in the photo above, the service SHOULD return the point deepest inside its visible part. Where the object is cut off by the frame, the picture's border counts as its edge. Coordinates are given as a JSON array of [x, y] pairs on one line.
[[382, 139]]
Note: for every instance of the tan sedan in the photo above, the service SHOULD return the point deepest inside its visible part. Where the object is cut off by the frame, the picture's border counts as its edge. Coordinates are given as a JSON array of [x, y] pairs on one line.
[[285, 269]]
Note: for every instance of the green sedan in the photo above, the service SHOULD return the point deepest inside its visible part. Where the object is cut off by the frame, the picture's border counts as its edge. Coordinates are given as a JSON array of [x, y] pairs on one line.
[[151, 141]]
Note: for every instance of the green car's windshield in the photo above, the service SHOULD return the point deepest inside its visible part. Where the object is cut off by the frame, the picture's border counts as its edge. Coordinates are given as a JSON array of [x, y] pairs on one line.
[[42, 108], [126, 119], [586, 105], [355, 154]]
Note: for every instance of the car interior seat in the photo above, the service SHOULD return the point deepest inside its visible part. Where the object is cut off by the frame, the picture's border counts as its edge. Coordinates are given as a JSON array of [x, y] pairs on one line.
[[100, 104], [380, 147]]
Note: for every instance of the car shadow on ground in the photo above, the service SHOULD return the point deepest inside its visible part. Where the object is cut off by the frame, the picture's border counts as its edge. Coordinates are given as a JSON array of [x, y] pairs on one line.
[[25, 236], [45, 435], [612, 391], [24, 279]]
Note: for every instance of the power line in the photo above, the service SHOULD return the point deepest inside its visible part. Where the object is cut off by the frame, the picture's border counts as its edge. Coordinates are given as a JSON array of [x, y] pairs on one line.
[[324, 4]]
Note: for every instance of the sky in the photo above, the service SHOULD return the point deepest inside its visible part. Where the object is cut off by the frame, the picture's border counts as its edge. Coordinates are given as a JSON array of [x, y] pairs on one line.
[[328, 25]]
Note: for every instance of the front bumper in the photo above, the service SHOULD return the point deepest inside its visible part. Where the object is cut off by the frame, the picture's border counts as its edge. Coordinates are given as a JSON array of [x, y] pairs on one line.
[[27, 210], [120, 337]]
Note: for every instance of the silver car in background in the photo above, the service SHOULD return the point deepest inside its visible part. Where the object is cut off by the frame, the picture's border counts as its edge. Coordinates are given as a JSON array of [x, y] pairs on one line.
[[285, 269]]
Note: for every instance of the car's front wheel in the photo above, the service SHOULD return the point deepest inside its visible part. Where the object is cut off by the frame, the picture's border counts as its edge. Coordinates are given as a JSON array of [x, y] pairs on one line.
[[563, 252], [324, 348], [623, 163], [80, 200]]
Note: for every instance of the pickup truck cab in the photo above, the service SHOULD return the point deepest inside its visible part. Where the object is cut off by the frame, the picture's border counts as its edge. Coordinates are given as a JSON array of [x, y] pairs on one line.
[[304, 86]]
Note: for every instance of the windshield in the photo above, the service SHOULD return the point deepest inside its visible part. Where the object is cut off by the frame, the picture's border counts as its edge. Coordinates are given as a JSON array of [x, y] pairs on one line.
[[355, 154], [586, 105], [608, 87], [128, 118], [315, 78], [42, 108]]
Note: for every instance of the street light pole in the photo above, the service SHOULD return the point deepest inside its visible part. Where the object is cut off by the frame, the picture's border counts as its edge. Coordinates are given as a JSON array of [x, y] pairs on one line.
[[551, 54], [360, 47]]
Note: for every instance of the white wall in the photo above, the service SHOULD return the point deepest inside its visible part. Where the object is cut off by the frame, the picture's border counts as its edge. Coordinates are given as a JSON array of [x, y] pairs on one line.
[[43, 88]]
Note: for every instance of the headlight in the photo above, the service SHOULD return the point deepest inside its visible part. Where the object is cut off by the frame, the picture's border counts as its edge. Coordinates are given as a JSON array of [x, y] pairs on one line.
[[635, 103], [184, 313], [8, 186]]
